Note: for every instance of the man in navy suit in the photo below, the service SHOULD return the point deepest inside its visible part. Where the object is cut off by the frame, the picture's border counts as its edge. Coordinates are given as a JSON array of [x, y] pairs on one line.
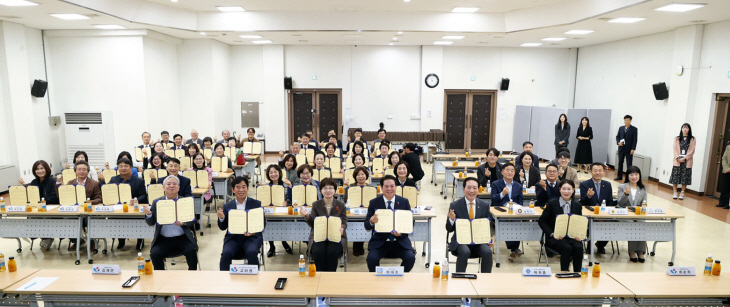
[[173, 169], [547, 190], [249, 243], [504, 191], [626, 139], [593, 192], [470, 207], [393, 244], [178, 139]]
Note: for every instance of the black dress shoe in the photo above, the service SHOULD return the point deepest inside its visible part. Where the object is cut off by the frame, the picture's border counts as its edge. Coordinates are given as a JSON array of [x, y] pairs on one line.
[[633, 259], [642, 260], [271, 252], [600, 250], [726, 207], [197, 226], [121, 244], [719, 205], [549, 254], [287, 248], [140, 244]]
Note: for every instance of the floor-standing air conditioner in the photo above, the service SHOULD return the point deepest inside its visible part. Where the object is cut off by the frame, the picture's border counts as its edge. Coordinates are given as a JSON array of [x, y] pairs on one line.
[[92, 133]]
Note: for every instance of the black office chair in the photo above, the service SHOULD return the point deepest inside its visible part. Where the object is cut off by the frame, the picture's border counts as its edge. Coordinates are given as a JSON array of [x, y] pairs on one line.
[[544, 249], [172, 258], [342, 258], [260, 256]]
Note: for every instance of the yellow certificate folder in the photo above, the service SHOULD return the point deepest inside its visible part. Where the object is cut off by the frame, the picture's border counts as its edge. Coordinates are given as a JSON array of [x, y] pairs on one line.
[[170, 211], [245, 221], [327, 228]]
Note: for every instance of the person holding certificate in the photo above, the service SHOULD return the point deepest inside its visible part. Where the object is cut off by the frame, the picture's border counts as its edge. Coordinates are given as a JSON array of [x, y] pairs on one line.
[[357, 148], [165, 139], [171, 239], [194, 139], [331, 150], [178, 139], [191, 150], [633, 194], [328, 220], [562, 237], [360, 179], [289, 171], [383, 150], [304, 175], [392, 244], [503, 192], [79, 156], [93, 192], [402, 171], [358, 160], [173, 169], [155, 162], [239, 243], [46, 188], [274, 176], [471, 209], [125, 155], [220, 151], [319, 159], [137, 186], [594, 192]]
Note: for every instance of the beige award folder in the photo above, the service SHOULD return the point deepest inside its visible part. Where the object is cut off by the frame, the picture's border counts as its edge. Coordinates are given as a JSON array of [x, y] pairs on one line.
[[398, 220], [169, 152], [335, 164], [252, 148], [139, 153], [109, 173], [270, 195], [68, 175], [348, 175], [389, 171], [327, 228], [230, 152], [185, 163], [160, 173], [301, 159], [476, 231], [309, 152], [71, 195], [338, 152], [116, 193], [378, 165], [155, 191], [361, 196], [219, 164], [571, 226], [207, 153], [409, 193], [179, 153], [304, 195], [243, 221], [22, 195], [321, 174], [168, 145], [193, 176], [170, 211]]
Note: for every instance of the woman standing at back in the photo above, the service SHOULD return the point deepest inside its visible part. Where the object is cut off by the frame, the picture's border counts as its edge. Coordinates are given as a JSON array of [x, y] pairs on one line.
[[684, 150], [584, 151], [562, 133]]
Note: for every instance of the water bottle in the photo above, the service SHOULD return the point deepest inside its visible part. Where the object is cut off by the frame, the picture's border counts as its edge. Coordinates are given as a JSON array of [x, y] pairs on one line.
[[643, 207], [445, 269], [301, 266], [603, 206], [347, 207], [489, 186], [524, 187], [584, 268], [296, 208], [136, 205], [708, 265]]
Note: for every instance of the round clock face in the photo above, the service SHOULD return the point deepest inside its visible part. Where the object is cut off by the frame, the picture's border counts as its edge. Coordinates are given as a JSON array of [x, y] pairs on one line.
[[432, 80]]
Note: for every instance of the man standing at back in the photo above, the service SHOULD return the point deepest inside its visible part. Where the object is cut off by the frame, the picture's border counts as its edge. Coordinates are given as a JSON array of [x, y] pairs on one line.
[[626, 139], [414, 162]]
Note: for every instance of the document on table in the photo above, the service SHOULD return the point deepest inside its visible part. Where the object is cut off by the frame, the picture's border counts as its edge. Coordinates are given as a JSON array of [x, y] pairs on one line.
[[327, 229], [38, 283], [110, 194]]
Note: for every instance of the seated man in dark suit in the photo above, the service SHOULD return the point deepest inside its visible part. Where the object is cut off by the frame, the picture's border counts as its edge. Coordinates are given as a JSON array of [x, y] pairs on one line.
[[171, 240], [388, 245], [178, 139], [414, 162], [547, 190], [248, 244], [306, 144], [593, 192], [504, 191], [124, 167], [173, 169], [470, 207], [527, 146]]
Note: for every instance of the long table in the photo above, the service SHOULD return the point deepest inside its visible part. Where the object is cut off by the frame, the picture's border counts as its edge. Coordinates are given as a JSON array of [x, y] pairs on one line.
[[515, 227], [116, 225], [7, 279], [660, 289], [285, 227]]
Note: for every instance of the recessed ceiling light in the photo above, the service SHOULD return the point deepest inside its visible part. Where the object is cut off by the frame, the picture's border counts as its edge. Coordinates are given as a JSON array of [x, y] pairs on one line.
[[391, 44], [110, 27], [406, 0], [579, 32], [626, 19], [442, 43], [17, 3], [400, 32], [531, 44], [250, 36], [267, 41], [202, 33], [230, 9], [70, 16], [395, 38], [461, 9], [174, 0], [553, 39], [680, 7], [453, 37]]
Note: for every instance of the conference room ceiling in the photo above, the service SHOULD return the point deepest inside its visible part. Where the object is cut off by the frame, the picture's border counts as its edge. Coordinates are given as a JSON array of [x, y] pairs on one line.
[[497, 23]]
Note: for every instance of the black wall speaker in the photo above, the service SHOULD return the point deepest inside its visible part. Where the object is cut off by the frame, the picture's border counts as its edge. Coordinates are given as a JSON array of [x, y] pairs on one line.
[[505, 84], [287, 83], [39, 88], [660, 91]]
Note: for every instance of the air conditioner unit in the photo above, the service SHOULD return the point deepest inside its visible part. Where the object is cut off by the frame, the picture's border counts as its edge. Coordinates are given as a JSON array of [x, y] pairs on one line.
[[92, 133]]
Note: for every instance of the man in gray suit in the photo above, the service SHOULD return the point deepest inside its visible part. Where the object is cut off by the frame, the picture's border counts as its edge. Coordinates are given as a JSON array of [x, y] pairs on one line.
[[470, 207]]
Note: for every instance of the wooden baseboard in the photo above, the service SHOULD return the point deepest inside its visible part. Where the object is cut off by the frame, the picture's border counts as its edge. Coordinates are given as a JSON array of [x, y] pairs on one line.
[[669, 186]]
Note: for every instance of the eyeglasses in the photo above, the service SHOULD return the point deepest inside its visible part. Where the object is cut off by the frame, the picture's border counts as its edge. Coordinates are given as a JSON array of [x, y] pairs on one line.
[[328, 188]]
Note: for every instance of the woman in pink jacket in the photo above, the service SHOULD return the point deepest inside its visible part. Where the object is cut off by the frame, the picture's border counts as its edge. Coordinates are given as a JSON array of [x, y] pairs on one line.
[[684, 150]]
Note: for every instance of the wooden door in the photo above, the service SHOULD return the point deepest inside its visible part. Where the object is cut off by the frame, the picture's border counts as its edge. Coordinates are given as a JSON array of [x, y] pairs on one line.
[[480, 121], [328, 115], [455, 120], [469, 119], [719, 141], [315, 110]]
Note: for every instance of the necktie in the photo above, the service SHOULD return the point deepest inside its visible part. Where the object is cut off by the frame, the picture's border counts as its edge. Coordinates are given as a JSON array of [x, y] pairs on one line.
[[391, 237], [471, 210], [389, 206], [598, 189]]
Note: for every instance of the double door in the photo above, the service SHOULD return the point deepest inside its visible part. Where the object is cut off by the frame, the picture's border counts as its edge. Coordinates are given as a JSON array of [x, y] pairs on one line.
[[719, 142], [469, 119], [315, 110]]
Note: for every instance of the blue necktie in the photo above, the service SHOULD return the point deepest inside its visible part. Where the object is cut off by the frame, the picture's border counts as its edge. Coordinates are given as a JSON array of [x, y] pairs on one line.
[[391, 237], [598, 189]]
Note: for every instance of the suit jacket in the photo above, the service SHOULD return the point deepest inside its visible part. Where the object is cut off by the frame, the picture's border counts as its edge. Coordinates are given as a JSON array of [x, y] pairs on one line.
[[183, 147], [606, 193], [414, 163], [516, 195], [378, 239], [547, 194], [627, 200], [338, 210], [409, 183], [481, 210], [534, 176], [152, 221], [629, 137], [552, 210], [93, 190], [185, 190], [138, 188], [223, 225], [199, 141], [562, 135], [482, 174]]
